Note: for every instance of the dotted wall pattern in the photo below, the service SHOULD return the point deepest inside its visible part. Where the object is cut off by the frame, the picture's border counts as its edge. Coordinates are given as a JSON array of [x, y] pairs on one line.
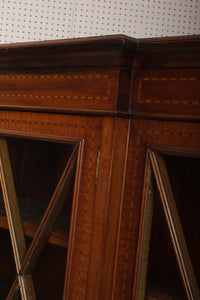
[[37, 20]]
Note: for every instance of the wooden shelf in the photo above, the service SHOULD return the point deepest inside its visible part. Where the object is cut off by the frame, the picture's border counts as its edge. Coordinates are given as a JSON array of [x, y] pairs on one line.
[[56, 237], [166, 286], [160, 295], [31, 214]]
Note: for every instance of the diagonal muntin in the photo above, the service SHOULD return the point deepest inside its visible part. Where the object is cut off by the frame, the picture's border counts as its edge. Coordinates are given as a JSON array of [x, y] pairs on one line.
[[174, 225], [47, 222], [14, 221]]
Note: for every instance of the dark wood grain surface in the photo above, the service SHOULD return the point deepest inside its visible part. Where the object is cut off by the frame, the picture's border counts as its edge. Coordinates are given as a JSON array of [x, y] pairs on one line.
[[117, 97]]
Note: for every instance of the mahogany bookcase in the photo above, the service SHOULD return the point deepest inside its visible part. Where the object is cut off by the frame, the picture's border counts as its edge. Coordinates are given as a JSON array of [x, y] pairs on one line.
[[99, 169]]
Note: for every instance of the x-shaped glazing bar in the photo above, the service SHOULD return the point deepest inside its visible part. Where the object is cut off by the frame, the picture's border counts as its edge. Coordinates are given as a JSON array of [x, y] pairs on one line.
[[174, 225], [26, 260], [44, 229], [14, 222]]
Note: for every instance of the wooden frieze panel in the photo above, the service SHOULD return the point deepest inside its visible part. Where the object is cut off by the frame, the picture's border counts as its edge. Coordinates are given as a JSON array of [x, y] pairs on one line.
[[79, 89], [174, 91]]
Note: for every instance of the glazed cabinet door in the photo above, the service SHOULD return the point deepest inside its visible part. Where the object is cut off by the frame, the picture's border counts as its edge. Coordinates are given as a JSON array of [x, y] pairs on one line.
[[54, 172], [158, 255]]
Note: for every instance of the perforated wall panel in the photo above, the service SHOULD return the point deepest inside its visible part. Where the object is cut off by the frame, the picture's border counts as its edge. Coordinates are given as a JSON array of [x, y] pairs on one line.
[[34, 20]]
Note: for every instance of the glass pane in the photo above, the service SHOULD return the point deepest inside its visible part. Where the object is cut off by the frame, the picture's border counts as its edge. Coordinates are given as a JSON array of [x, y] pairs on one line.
[[7, 264], [160, 275], [163, 277], [49, 273], [184, 173], [37, 167]]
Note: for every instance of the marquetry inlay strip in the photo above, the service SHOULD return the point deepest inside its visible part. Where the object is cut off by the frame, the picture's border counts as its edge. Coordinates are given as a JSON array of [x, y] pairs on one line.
[[130, 217], [44, 123], [67, 93], [55, 96], [169, 79], [174, 133], [166, 101], [56, 76]]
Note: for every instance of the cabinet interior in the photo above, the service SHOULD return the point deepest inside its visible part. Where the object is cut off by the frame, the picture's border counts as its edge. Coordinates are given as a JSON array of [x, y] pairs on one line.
[[37, 166], [163, 274]]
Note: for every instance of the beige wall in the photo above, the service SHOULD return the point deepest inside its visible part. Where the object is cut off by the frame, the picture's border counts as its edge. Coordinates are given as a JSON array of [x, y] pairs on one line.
[[33, 20]]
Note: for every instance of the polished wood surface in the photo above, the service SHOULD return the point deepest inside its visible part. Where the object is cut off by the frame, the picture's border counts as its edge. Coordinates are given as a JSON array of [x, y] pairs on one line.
[[117, 98], [109, 75]]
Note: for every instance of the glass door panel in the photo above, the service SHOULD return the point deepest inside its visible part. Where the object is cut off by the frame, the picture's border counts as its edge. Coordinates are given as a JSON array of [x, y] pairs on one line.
[[37, 179], [170, 264], [7, 264], [48, 272], [163, 276]]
